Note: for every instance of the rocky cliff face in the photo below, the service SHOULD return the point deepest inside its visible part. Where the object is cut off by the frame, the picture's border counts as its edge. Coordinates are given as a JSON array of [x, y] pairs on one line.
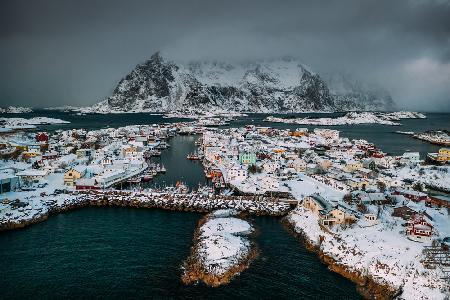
[[283, 85]]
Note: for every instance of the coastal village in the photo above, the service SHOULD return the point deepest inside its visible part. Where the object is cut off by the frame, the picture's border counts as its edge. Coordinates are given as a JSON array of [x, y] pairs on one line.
[[380, 220]]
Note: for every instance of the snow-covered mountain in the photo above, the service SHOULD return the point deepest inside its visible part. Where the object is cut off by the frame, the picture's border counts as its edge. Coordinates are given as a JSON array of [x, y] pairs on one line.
[[351, 94], [283, 85]]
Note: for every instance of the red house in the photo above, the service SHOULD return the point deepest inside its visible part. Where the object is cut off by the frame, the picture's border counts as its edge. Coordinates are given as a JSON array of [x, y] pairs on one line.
[[41, 137], [87, 184], [419, 229], [412, 195]]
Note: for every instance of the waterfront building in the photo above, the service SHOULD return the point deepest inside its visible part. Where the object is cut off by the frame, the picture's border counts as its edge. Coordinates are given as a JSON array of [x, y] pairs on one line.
[[31, 175], [410, 158], [74, 174], [8, 182], [327, 133]]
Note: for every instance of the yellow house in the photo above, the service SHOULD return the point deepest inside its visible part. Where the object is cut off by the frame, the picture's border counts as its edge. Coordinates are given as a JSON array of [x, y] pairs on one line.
[[129, 151], [29, 154], [357, 183], [298, 133], [337, 215], [21, 147], [444, 151], [279, 150], [353, 166], [443, 155], [315, 203], [72, 175], [329, 213]]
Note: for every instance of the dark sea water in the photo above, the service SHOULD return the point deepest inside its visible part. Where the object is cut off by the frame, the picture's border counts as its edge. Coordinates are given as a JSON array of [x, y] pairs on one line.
[[137, 253]]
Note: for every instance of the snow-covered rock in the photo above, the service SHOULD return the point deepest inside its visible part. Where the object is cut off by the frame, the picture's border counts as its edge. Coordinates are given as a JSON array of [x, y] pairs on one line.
[[222, 249], [282, 85], [15, 110], [352, 118], [23, 123]]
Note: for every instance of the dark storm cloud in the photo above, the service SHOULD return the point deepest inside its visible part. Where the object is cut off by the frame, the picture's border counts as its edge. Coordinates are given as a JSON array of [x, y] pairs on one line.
[[74, 52]]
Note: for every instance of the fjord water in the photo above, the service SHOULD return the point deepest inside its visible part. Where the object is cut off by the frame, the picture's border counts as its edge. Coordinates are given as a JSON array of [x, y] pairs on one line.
[[124, 252], [137, 253]]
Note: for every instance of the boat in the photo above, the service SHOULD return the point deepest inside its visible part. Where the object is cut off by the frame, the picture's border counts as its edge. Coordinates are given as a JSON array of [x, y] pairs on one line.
[[163, 169], [134, 180], [194, 156], [182, 188], [147, 177]]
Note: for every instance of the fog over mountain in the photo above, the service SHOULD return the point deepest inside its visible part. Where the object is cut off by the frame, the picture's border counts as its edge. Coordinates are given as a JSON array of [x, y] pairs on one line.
[[56, 53]]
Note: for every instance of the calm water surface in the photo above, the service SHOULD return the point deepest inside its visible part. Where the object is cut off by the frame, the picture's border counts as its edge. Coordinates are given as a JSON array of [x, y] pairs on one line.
[[125, 252]]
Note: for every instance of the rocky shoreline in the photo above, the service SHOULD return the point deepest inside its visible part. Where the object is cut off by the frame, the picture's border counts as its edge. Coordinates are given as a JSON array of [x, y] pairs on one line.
[[192, 202], [218, 255], [365, 284]]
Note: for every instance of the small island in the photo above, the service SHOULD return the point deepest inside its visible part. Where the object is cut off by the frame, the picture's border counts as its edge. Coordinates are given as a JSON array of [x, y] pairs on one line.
[[221, 250], [352, 118]]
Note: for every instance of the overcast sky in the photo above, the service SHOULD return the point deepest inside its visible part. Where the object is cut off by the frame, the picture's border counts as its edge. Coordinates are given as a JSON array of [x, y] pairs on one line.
[[74, 52]]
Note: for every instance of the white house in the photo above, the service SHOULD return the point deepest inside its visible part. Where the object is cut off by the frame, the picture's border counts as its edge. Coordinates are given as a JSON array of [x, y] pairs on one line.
[[327, 133], [271, 166], [30, 175], [410, 158], [299, 165], [237, 173]]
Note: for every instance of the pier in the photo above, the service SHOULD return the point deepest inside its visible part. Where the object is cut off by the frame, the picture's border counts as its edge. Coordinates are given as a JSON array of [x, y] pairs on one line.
[[40, 208]]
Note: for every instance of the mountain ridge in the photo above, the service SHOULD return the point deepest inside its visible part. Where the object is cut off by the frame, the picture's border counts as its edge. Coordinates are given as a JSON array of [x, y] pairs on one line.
[[283, 85]]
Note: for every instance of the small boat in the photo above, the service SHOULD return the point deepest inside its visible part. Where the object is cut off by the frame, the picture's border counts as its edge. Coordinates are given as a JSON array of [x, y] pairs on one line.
[[147, 177], [182, 188], [133, 180], [163, 169], [194, 156]]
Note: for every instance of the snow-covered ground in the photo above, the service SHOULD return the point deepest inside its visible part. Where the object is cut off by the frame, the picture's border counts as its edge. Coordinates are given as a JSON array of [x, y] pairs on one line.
[[223, 242], [306, 185], [351, 118], [23, 123], [381, 252], [437, 177], [15, 110]]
